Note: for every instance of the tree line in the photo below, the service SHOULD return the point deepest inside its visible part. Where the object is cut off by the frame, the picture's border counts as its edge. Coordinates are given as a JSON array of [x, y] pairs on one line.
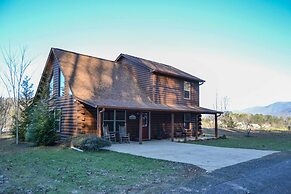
[[250, 121]]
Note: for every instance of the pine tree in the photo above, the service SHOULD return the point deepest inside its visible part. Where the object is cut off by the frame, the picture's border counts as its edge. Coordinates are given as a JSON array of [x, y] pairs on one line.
[[25, 102]]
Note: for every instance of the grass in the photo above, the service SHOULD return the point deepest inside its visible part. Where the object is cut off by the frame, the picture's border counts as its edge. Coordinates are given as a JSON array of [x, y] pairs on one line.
[[279, 141], [27, 169]]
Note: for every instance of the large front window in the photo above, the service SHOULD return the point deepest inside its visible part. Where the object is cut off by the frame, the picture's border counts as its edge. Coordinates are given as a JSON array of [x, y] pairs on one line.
[[187, 87], [114, 119]]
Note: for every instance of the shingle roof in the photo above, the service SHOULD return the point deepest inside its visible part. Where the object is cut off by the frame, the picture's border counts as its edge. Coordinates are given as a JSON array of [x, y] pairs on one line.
[[104, 83], [160, 68]]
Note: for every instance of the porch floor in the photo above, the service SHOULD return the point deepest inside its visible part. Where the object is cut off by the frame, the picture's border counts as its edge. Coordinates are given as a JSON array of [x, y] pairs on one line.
[[207, 157]]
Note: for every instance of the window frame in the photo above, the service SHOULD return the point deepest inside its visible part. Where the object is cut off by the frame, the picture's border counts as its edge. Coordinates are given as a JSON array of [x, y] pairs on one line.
[[51, 86], [70, 92], [114, 120], [62, 83], [58, 119], [185, 90]]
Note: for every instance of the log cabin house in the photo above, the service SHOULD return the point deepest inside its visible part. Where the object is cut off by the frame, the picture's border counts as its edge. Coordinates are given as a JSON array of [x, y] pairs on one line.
[[151, 100]]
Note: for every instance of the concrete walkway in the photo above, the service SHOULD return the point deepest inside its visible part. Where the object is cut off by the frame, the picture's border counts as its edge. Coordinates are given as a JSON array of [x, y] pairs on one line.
[[208, 157]]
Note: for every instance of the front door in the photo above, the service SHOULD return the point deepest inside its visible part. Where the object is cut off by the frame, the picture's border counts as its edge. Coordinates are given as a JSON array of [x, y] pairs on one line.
[[145, 126]]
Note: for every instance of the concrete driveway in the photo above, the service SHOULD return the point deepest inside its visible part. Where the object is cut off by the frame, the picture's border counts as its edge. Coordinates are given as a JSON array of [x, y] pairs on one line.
[[207, 157]]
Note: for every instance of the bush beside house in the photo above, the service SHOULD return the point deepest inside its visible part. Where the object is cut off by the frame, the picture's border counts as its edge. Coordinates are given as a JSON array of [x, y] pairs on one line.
[[89, 142], [41, 129]]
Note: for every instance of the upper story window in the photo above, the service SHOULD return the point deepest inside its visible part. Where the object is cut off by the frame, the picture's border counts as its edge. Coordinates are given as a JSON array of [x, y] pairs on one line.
[[187, 87], [70, 92], [51, 89], [62, 84]]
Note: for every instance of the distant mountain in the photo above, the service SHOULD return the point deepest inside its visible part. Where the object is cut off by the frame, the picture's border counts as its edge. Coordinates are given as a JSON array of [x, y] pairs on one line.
[[275, 109]]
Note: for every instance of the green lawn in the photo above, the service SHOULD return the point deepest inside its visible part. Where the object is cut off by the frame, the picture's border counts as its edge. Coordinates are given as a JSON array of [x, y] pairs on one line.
[[61, 170], [262, 141]]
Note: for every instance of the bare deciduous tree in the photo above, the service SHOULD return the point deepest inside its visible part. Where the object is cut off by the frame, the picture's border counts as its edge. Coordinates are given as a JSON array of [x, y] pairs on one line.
[[4, 108], [16, 63], [225, 103]]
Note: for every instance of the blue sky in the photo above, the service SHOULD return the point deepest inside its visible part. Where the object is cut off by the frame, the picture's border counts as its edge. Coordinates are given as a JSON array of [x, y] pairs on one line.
[[241, 48]]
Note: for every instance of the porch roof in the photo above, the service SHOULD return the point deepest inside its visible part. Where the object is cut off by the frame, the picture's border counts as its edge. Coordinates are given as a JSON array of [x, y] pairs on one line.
[[140, 105]]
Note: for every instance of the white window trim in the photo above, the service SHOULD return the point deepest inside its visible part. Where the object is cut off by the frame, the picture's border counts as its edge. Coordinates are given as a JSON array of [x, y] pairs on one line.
[[185, 82]]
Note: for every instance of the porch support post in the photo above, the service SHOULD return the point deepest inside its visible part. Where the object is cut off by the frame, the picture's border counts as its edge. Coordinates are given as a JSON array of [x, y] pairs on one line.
[[197, 126], [172, 126], [216, 127], [140, 128], [150, 126], [98, 115]]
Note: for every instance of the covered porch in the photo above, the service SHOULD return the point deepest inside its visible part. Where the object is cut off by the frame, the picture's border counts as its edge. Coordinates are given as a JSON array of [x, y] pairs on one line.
[[144, 125]]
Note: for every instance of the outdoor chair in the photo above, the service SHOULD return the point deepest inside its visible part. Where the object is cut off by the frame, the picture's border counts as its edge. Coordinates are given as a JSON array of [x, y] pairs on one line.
[[162, 133], [123, 135], [179, 133], [188, 132], [112, 136], [107, 135]]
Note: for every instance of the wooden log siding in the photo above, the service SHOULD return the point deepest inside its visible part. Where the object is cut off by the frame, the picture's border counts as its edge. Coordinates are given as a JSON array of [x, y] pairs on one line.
[[87, 121], [194, 121], [162, 89], [66, 104], [77, 118], [70, 120], [169, 90]]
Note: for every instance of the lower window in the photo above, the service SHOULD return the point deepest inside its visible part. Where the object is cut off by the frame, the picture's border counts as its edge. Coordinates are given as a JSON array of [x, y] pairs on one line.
[[58, 119], [114, 119]]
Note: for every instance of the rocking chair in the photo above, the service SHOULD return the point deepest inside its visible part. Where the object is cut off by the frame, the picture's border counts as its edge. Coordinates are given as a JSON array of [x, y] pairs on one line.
[[123, 135]]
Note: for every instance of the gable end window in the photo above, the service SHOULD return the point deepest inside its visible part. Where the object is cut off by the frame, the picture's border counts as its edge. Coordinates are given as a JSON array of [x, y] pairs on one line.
[[187, 87], [61, 84], [51, 86]]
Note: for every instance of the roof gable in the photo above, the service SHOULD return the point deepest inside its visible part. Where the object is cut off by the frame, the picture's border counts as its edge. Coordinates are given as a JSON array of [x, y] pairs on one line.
[[44, 77], [160, 68], [93, 79]]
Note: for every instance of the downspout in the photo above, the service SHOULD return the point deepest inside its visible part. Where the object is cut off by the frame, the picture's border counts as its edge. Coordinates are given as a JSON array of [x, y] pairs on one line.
[[201, 83]]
